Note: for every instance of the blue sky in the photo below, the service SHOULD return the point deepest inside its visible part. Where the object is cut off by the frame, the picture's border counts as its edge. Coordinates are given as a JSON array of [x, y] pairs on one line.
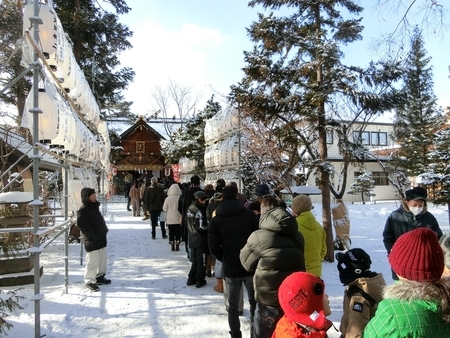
[[200, 43]]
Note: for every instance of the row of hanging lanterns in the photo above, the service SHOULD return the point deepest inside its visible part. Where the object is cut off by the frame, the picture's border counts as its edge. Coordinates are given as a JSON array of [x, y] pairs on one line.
[[70, 120]]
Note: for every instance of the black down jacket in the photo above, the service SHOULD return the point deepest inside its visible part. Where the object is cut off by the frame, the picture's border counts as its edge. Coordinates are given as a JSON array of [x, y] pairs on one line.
[[273, 252], [402, 220], [228, 232], [91, 223]]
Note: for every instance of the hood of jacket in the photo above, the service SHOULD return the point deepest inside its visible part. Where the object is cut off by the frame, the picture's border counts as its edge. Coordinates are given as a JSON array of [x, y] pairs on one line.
[[307, 220], [415, 291], [278, 220], [229, 208], [85, 193], [173, 190]]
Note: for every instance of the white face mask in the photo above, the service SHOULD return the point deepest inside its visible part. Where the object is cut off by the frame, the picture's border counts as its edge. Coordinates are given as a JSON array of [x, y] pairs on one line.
[[416, 210]]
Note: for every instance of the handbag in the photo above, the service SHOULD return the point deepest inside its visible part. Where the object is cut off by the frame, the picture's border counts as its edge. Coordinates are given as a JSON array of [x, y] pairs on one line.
[[163, 216]]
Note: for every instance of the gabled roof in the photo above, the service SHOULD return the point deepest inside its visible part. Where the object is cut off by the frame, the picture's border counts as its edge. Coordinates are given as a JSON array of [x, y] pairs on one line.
[[141, 124]]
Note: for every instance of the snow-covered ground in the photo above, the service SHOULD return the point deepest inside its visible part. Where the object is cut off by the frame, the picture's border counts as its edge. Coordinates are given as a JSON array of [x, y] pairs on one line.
[[148, 296]]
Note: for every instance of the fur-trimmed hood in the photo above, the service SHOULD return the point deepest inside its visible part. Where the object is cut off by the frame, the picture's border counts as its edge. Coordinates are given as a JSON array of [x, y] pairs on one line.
[[411, 290]]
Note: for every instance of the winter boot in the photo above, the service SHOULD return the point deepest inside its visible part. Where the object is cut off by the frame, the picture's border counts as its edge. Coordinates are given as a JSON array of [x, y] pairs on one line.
[[219, 286], [172, 243], [177, 246]]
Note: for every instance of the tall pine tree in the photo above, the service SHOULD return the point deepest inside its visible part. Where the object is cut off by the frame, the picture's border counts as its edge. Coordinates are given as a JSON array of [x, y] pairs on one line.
[[437, 178], [294, 73], [419, 116]]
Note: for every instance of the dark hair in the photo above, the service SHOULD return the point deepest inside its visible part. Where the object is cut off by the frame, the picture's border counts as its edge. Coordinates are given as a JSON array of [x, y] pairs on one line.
[[229, 192], [270, 203], [220, 183], [195, 180]]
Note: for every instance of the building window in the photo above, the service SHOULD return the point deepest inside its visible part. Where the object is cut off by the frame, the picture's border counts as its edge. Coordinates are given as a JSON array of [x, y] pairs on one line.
[[330, 137], [379, 177], [378, 138], [363, 137]]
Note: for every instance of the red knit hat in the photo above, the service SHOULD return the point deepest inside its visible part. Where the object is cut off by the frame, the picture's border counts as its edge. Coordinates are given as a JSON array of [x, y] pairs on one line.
[[301, 298], [417, 256]]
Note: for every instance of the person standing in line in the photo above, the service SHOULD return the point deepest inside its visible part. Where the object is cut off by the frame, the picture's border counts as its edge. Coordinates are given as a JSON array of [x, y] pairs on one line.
[[363, 291], [135, 191], [170, 207], [305, 305], [154, 198], [94, 230], [227, 234], [273, 252], [418, 305], [198, 242], [411, 214], [145, 211], [211, 260], [127, 194], [313, 233], [185, 201]]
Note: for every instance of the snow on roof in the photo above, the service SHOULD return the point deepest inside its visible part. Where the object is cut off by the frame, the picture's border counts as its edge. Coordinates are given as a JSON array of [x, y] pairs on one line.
[[15, 197], [303, 190]]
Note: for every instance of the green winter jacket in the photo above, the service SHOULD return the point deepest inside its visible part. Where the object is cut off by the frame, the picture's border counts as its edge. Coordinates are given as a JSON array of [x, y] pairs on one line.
[[315, 242], [408, 312]]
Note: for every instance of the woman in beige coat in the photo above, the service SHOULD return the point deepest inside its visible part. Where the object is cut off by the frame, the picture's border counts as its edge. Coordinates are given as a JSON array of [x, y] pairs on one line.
[[173, 221]]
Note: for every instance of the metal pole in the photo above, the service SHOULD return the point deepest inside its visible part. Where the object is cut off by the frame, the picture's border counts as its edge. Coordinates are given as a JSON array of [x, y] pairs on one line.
[[66, 236], [36, 203]]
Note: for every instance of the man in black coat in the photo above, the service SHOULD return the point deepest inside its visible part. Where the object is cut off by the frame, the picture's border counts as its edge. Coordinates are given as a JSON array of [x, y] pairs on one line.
[[184, 202], [228, 232], [94, 230], [197, 234]]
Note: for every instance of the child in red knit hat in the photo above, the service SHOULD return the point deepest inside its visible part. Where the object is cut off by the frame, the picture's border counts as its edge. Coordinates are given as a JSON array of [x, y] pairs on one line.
[[305, 304]]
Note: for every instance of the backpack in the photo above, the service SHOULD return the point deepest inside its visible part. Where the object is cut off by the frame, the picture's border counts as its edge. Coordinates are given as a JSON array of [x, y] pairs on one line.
[[74, 233]]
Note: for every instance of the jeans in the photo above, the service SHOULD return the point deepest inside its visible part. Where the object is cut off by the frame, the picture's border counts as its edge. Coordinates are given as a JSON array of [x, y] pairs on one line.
[[266, 319], [154, 214], [198, 269], [234, 286]]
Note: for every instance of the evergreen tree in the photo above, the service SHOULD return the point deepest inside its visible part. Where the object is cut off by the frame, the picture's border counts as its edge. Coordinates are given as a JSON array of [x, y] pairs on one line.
[[189, 141], [437, 177], [419, 116], [11, 54], [363, 186], [294, 73], [98, 38]]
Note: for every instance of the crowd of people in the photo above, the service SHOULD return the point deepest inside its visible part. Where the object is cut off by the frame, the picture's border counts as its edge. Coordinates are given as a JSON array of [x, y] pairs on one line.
[[276, 254]]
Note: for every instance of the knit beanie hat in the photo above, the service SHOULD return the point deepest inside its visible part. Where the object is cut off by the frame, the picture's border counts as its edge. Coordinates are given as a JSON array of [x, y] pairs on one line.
[[262, 190], [301, 203], [444, 241], [417, 256], [301, 298], [352, 264]]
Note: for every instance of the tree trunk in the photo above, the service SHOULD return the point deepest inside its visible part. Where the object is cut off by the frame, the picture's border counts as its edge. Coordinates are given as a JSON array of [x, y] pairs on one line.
[[323, 155]]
